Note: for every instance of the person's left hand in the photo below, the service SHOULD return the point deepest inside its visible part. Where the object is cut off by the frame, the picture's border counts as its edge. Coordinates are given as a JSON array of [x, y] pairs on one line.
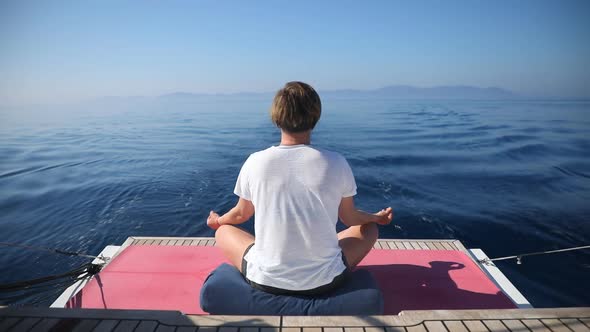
[[213, 220], [384, 216]]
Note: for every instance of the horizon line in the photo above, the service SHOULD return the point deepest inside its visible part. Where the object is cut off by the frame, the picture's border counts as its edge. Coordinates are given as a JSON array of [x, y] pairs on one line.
[[515, 95]]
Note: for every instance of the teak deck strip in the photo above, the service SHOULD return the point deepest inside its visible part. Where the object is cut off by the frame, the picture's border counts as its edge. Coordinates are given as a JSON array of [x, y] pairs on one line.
[[509, 320], [390, 244]]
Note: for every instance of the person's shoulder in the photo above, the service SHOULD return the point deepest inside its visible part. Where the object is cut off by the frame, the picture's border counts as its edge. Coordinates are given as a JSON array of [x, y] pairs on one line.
[[265, 152], [261, 154], [332, 155]]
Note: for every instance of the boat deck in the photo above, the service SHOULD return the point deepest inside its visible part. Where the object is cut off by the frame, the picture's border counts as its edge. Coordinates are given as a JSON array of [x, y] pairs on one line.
[[507, 320]]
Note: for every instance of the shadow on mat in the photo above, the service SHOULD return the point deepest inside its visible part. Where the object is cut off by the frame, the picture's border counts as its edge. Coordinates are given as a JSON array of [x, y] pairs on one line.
[[414, 287]]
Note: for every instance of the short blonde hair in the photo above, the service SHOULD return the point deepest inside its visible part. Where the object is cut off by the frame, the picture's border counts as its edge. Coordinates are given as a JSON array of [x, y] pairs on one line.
[[296, 107]]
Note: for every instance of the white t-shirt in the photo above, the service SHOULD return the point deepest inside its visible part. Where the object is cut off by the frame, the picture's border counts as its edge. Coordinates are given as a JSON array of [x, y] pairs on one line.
[[296, 191]]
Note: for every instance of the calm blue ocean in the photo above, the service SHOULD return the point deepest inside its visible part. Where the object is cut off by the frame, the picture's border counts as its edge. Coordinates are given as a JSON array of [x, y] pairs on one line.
[[505, 176]]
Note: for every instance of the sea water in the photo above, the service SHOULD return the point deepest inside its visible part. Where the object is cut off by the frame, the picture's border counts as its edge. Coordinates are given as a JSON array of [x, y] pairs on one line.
[[508, 177]]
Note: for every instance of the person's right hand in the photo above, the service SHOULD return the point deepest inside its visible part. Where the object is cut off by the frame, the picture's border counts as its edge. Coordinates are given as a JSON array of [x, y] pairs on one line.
[[213, 220], [384, 216]]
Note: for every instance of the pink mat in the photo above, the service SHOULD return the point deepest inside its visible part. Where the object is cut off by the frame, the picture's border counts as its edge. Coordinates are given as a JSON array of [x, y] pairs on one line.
[[432, 279], [170, 278]]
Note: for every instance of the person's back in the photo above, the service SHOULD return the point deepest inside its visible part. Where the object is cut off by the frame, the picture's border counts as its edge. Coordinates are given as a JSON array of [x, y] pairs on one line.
[[296, 191]]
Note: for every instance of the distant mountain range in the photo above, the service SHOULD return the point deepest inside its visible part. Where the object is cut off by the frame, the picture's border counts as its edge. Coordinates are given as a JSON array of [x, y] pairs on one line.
[[393, 92], [439, 92]]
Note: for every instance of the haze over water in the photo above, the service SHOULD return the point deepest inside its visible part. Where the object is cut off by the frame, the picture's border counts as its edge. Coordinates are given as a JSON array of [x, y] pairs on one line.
[[508, 177]]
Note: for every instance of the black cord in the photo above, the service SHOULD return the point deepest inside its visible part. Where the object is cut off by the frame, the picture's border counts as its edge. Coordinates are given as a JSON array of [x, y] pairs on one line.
[[20, 285], [17, 291], [49, 284], [53, 250], [38, 290]]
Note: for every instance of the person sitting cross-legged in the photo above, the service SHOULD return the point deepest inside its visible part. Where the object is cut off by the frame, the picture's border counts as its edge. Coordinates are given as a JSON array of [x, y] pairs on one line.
[[298, 192]]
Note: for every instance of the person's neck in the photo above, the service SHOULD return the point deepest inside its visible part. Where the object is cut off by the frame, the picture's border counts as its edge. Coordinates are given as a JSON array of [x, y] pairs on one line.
[[295, 138]]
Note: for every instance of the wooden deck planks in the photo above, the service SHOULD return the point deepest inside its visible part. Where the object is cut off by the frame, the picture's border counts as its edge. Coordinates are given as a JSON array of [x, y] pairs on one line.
[[285, 329], [447, 245], [435, 326], [126, 325], [262, 329], [146, 326], [455, 326], [46, 324], [395, 329], [459, 246], [555, 325], [387, 244], [575, 325], [495, 326], [423, 245], [194, 329], [107, 325], [535, 325], [431, 245], [85, 325], [515, 325], [416, 328], [438, 245], [353, 329], [26, 324], [415, 245], [372, 329], [475, 326], [330, 329], [228, 329], [165, 328], [527, 320], [9, 322], [255, 329]]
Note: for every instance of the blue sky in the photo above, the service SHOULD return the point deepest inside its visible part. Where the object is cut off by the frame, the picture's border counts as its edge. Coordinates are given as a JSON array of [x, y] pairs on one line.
[[69, 50]]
